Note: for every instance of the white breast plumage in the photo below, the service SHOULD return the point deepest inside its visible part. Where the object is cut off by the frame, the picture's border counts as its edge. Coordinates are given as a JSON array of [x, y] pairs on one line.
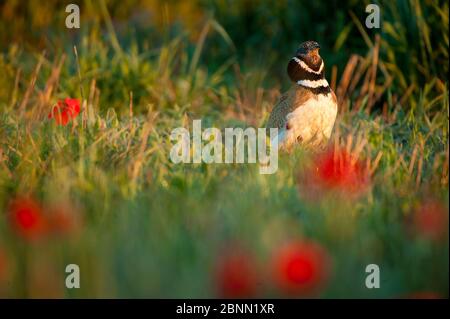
[[310, 124]]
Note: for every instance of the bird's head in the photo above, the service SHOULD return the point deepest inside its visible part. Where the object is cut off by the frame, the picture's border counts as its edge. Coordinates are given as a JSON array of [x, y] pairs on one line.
[[306, 61], [309, 51]]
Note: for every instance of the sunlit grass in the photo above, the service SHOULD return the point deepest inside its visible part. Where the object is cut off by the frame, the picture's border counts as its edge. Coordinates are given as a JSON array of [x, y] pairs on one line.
[[152, 228]]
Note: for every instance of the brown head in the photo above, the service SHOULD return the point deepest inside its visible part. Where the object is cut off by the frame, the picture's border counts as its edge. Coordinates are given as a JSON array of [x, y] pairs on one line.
[[307, 63]]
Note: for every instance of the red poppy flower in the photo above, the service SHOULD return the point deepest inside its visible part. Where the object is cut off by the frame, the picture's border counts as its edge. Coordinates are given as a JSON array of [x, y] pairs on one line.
[[63, 220], [236, 275], [431, 220], [65, 110], [301, 268], [424, 295], [3, 266], [27, 219], [336, 171]]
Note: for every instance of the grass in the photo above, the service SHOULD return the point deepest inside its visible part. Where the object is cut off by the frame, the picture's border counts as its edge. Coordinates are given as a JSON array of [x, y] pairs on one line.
[[151, 228]]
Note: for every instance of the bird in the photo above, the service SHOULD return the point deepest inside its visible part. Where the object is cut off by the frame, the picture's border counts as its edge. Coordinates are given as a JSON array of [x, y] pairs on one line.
[[306, 113]]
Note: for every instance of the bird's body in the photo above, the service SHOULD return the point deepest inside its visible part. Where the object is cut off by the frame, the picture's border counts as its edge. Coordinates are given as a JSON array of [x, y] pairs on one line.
[[307, 112]]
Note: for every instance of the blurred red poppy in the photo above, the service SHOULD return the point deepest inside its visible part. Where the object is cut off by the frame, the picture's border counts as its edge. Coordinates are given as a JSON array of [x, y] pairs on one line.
[[424, 295], [431, 220], [63, 220], [301, 268], [236, 275], [27, 219], [3, 265], [65, 110], [334, 170]]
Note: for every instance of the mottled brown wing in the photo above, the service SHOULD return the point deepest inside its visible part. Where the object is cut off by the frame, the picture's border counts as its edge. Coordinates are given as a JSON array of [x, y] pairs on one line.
[[288, 102], [277, 118]]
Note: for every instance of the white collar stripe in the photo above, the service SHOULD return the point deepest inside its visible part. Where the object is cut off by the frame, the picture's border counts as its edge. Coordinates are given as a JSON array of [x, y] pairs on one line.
[[306, 67], [313, 84]]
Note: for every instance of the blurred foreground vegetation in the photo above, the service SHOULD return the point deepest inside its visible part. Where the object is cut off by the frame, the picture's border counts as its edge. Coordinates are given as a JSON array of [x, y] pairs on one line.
[[142, 226]]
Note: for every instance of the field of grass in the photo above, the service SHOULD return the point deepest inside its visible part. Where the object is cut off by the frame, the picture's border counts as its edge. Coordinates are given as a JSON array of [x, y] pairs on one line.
[[101, 192]]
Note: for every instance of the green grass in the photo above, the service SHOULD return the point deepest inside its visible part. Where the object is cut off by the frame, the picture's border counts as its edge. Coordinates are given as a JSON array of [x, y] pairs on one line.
[[152, 228]]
